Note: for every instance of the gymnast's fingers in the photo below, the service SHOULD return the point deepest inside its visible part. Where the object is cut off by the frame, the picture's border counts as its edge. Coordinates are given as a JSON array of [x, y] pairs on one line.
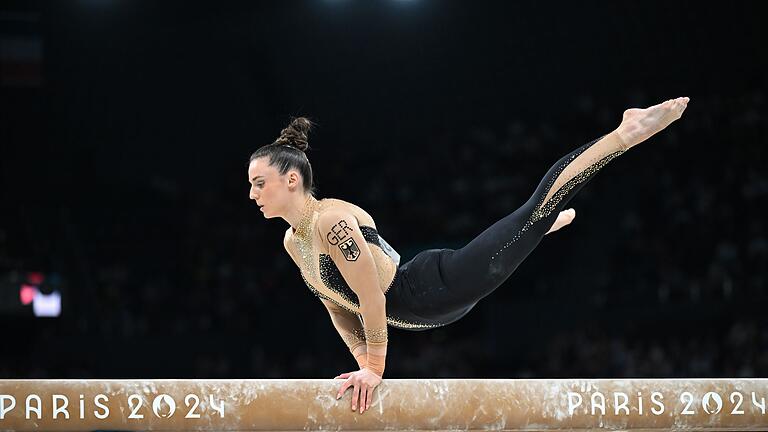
[[343, 388], [369, 399], [363, 397], [355, 393]]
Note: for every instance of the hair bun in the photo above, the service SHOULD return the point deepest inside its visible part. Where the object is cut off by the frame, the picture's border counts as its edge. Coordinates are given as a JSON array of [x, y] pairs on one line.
[[296, 134]]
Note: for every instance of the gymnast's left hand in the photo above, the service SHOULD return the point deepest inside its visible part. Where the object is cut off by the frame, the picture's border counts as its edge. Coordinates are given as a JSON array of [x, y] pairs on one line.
[[363, 383]]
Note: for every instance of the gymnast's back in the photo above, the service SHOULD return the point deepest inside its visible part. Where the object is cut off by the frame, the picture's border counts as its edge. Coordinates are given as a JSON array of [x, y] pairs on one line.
[[316, 253]]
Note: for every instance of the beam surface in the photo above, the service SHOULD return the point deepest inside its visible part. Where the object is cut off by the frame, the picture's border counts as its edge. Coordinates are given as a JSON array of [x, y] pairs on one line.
[[398, 404]]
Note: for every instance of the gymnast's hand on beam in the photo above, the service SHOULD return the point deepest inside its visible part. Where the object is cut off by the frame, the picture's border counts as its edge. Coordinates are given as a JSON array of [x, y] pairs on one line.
[[364, 381]]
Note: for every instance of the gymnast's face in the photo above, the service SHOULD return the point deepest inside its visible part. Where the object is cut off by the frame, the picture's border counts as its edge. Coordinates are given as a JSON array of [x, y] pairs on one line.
[[270, 190]]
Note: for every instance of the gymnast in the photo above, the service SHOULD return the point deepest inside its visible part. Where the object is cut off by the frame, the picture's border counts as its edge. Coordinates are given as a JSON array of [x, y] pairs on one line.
[[357, 274]]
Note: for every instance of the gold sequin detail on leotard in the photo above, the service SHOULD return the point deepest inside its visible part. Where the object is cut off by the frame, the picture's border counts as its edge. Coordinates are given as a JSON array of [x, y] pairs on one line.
[[376, 335], [393, 321], [542, 209], [303, 235], [356, 337]]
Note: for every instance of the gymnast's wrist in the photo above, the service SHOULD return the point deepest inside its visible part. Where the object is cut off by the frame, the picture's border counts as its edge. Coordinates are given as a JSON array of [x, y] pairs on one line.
[[360, 351], [376, 345], [362, 359], [375, 363]]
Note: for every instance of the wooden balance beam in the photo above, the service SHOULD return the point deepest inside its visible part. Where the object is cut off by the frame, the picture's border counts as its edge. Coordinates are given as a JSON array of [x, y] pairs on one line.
[[398, 404]]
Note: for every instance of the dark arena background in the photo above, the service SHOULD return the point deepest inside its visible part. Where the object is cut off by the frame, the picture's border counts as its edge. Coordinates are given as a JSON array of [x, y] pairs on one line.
[[129, 247]]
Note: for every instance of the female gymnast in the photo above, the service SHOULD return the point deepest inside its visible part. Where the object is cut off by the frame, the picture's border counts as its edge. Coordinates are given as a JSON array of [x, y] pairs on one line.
[[358, 276]]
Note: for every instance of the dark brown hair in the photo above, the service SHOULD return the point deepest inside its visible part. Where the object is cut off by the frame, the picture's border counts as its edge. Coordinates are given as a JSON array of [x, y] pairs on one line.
[[287, 152]]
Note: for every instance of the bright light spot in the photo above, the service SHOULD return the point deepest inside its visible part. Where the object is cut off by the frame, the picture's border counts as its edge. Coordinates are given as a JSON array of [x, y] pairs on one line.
[[47, 305]]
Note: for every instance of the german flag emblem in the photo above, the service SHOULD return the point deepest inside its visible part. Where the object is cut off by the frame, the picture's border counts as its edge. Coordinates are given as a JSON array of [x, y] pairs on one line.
[[350, 250]]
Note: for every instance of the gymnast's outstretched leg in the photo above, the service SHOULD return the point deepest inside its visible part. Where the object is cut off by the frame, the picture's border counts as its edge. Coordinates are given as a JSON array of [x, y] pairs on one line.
[[474, 271]]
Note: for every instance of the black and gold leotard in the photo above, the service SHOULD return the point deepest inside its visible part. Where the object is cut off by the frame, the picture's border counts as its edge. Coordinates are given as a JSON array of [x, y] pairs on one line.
[[439, 286], [308, 250]]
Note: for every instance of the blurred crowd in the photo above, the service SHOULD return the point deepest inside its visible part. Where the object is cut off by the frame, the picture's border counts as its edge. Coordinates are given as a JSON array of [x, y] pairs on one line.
[[662, 273]]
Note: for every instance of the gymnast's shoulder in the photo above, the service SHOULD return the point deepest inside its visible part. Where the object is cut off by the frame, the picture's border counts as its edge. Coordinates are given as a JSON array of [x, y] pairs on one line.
[[334, 206]]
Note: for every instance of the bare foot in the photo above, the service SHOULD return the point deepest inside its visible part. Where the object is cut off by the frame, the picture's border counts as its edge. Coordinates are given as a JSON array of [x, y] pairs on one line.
[[638, 125], [564, 218]]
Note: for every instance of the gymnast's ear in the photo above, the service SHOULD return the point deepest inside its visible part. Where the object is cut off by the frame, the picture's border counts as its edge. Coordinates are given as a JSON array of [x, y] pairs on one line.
[[293, 179]]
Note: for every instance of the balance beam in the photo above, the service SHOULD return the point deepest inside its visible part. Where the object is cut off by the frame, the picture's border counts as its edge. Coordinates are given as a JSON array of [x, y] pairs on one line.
[[398, 404]]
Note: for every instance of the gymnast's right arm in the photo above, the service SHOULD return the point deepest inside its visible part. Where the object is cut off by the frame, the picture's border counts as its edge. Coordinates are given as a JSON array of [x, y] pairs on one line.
[[351, 331]]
